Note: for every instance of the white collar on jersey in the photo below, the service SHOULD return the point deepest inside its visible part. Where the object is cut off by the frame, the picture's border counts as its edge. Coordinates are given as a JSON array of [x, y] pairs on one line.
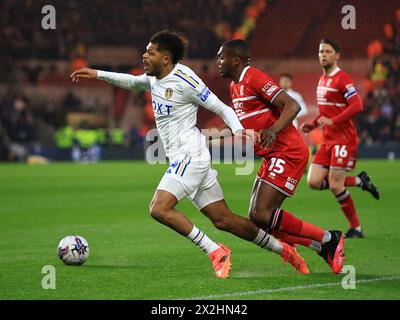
[[336, 70], [243, 73]]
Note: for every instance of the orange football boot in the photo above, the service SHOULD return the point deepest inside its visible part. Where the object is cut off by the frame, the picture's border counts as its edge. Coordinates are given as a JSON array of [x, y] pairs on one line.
[[221, 260], [289, 254]]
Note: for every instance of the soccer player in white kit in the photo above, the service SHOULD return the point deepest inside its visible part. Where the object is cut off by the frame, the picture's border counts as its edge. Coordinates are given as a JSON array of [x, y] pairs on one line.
[[176, 93]]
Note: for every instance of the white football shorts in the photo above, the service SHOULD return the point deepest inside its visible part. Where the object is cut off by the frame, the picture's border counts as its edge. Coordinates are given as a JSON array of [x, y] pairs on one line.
[[193, 179]]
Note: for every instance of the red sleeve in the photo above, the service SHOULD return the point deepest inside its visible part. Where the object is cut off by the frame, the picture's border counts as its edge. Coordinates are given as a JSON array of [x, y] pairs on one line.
[[265, 87], [355, 106]]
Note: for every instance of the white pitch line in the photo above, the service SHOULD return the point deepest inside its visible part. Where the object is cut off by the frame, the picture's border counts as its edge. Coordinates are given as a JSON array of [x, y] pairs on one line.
[[311, 286]]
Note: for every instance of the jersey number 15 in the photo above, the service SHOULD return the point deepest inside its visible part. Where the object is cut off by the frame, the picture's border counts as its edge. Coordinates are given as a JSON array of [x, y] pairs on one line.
[[276, 165]]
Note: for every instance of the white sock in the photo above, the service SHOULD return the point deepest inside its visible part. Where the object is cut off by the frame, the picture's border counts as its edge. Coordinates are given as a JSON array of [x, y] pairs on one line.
[[327, 237], [267, 241], [358, 181], [201, 240], [315, 245], [358, 228]]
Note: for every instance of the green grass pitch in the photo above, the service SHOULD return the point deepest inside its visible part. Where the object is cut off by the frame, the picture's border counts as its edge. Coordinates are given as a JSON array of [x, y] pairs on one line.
[[134, 257]]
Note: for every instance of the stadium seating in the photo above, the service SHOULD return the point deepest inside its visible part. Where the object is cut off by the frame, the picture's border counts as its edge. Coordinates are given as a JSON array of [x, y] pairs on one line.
[[278, 30], [280, 35], [354, 43]]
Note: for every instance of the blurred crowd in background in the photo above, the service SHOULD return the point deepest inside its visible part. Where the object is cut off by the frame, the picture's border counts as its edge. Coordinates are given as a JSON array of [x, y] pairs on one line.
[[380, 121], [86, 23], [28, 124]]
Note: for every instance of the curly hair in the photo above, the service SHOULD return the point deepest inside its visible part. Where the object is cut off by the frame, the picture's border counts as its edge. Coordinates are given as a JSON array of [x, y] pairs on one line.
[[171, 42]]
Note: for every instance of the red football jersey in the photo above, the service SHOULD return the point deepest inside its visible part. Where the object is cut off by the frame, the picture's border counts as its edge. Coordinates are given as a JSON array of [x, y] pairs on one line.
[[333, 92], [252, 99]]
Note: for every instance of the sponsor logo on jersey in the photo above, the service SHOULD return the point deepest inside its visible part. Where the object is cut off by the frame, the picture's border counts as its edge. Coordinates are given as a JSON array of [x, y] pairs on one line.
[[203, 95], [168, 93], [269, 88], [161, 108], [289, 185], [241, 91], [292, 180]]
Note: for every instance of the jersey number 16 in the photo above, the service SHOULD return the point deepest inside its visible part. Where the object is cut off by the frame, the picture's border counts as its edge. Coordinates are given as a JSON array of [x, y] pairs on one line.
[[340, 151]]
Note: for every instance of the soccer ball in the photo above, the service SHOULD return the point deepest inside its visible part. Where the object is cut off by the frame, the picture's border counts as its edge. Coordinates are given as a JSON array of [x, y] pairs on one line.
[[73, 250]]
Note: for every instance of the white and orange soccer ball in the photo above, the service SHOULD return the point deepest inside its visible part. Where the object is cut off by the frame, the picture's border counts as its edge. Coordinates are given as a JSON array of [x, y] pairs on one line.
[[73, 250]]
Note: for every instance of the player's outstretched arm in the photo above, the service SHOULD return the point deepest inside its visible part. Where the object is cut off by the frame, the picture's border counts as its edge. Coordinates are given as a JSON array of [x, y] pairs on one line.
[[122, 80], [207, 99], [86, 73], [225, 112]]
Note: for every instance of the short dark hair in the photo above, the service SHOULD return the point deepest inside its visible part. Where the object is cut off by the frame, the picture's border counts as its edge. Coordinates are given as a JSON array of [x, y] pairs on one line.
[[286, 75], [332, 43], [171, 42], [238, 48]]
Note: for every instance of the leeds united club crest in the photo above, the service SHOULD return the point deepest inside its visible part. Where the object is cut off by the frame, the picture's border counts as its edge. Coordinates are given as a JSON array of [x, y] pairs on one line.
[[168, 93]]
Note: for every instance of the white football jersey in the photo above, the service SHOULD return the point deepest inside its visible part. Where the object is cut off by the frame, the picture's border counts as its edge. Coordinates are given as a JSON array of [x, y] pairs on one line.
[[175, 99]]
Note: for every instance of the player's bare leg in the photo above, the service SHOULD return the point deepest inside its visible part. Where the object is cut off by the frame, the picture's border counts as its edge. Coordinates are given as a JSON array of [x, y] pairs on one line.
[[223, 219], [162, 208], [316, 178], [337, 179], [289, 239], [265, 214], [264, 199]]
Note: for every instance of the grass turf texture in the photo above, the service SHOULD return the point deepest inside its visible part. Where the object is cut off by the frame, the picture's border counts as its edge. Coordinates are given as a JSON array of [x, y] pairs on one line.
[[134, 257]]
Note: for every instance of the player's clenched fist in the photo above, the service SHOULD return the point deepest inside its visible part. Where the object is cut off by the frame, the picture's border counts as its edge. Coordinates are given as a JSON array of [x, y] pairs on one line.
[[267, 138], [83, 73]]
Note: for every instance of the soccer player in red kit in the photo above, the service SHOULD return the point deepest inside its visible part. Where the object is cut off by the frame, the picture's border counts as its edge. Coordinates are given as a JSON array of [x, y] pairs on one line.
[[262, 105], [338, 103]]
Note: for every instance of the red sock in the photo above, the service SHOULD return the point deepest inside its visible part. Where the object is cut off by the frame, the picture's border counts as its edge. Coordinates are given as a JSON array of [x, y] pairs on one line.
[[292, 239], [282, 220], [350, 182], [347, 205]]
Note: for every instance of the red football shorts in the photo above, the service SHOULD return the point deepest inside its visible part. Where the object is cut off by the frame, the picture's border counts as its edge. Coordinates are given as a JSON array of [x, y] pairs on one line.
[[336, 156], [283, 172]]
